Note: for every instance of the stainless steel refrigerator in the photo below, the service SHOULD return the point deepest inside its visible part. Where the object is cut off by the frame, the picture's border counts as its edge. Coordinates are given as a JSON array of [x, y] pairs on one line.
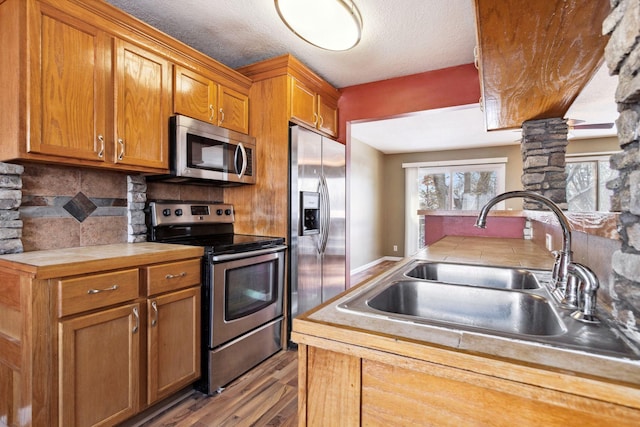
[[317, 206]]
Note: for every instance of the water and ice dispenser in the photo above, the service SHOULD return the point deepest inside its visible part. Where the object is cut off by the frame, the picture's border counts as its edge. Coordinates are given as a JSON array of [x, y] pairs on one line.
[[310, 213]]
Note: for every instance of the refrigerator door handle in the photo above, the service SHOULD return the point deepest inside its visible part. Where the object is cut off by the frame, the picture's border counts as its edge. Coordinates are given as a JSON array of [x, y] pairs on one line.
[[324, 214]]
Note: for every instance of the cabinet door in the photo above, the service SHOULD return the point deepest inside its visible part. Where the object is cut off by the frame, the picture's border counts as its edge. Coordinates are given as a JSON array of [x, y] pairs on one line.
[[303, 103], [69, 73], [143, 93], [173, 342], [234, 110], [328, 117], [195, 95], [99, 367]]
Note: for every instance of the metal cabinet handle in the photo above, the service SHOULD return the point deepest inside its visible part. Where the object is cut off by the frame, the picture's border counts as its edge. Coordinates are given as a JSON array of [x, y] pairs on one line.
[[175, 276], [121, 155], [315, 119], [97, 291], [212, 112], [321, 121], [136, 315], [221, 116], [101, 152], [154, 306]]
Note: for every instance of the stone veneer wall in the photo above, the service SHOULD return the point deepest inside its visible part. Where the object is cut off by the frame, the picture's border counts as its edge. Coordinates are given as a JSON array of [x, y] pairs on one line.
[[10, 199], [543, 147], [136, 200], [622, 55]]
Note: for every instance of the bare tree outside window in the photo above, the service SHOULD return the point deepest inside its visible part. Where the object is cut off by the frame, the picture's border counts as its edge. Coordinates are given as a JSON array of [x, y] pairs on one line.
[[586, 185]]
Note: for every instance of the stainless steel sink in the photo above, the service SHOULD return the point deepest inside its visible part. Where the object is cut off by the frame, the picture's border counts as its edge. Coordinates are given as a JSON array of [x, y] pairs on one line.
[[498, 310], [475, 275], [510, 303]]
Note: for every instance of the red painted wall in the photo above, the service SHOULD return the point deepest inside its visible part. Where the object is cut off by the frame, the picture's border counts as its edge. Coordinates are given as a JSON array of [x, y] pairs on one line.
[[436, 227], [447, 87]]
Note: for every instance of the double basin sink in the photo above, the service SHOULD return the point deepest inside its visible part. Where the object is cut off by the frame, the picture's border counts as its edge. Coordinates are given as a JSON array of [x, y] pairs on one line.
[[511, 303]]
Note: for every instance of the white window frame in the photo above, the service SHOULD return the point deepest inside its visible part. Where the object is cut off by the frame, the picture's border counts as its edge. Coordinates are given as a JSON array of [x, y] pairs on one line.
[[412, 221], [589, 157]]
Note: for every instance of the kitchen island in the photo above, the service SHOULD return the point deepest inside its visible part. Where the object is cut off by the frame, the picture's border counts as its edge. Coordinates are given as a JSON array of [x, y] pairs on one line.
[[359, 370]]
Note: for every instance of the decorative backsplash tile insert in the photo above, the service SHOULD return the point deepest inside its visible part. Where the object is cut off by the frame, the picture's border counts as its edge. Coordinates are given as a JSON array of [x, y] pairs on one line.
[[80, 207]]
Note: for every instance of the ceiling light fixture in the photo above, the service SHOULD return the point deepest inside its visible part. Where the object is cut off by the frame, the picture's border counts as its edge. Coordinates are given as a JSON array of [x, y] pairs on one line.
[[327, 24]]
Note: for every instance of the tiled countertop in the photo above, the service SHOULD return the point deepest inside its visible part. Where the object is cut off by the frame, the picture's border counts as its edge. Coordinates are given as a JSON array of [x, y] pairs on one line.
[[86, 259], [489, 251]]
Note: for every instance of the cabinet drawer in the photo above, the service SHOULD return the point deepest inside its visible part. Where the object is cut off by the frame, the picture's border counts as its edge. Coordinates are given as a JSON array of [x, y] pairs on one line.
[[97, 290], [172, 276]]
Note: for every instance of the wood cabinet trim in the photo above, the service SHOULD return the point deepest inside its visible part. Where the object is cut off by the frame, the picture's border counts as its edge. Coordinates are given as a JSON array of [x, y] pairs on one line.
[[289, 65]]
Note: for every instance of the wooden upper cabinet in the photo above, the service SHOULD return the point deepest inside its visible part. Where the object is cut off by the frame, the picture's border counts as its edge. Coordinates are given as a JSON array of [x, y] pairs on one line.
[[202, 98], [95, 99], [303, 103], [328, 113], [85, 84], [143, 108], [69, 71], [312, 108], [195, 96], [233, 110]]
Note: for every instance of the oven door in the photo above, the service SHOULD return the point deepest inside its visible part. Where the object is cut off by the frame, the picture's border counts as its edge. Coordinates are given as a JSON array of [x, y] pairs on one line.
[[247, 292]]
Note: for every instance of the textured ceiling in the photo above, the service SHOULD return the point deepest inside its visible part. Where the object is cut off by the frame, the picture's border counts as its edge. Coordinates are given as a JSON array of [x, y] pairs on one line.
[[421, 35], [399, 38]]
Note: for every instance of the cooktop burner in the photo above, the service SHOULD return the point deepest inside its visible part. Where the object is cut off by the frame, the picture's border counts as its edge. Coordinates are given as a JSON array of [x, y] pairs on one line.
[[208, 225]]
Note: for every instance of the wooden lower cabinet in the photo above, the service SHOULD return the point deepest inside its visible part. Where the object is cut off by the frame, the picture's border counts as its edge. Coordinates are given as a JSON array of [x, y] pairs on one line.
[[95, 341], [339, 388], [99, 367], [173, 340]]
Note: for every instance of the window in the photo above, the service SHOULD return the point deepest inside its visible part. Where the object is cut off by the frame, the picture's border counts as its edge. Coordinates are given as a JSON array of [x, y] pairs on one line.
[[459, 185], [587, 178]]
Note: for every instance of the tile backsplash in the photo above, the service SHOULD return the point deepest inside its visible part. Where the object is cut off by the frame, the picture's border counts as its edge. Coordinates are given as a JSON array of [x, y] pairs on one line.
[[96, 205]]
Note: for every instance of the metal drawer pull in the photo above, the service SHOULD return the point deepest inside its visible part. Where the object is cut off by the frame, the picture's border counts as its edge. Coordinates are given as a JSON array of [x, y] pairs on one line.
[[137, 317], [97, 291], [121, 155], [176, 276], [101, 152], [154, 321]]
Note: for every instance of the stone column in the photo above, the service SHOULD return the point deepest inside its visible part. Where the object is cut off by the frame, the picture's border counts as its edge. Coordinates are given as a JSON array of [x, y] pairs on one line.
[[136, 198], [543, 147], [622, 55], [10, 200]]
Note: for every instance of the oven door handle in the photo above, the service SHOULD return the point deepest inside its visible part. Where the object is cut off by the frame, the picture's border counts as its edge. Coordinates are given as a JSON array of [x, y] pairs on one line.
[[240, 255]]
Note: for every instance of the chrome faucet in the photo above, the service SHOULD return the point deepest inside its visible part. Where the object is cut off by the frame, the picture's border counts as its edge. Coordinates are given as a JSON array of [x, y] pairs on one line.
[[568, 277]]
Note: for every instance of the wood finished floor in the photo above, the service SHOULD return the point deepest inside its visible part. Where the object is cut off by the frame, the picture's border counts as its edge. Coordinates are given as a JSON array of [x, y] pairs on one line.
[[265, 396]]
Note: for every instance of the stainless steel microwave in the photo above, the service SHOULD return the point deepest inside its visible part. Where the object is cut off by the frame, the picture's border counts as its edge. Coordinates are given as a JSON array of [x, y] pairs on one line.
[[203, 153]]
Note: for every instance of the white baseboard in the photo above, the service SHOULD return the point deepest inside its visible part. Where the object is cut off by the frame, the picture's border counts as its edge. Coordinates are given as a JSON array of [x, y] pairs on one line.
[[373, 263]]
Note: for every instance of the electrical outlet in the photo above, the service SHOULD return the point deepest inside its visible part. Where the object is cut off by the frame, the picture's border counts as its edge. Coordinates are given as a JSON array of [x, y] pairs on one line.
[[395, 248], [548, 241]]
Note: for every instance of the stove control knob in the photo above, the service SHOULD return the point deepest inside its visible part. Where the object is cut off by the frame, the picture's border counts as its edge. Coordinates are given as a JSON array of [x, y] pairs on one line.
[[227, 212], [219, 212], [166, 212], [178, 212]]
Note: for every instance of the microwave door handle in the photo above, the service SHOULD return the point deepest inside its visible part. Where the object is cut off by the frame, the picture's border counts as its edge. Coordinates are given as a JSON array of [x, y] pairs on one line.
[[240, 148]]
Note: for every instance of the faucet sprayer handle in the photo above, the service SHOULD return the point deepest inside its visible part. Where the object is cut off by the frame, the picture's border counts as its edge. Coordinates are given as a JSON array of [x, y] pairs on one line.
[[586, 290]]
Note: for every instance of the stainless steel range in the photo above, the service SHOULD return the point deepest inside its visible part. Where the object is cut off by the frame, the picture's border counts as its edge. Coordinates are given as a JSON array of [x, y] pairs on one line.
[[242, 286]]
